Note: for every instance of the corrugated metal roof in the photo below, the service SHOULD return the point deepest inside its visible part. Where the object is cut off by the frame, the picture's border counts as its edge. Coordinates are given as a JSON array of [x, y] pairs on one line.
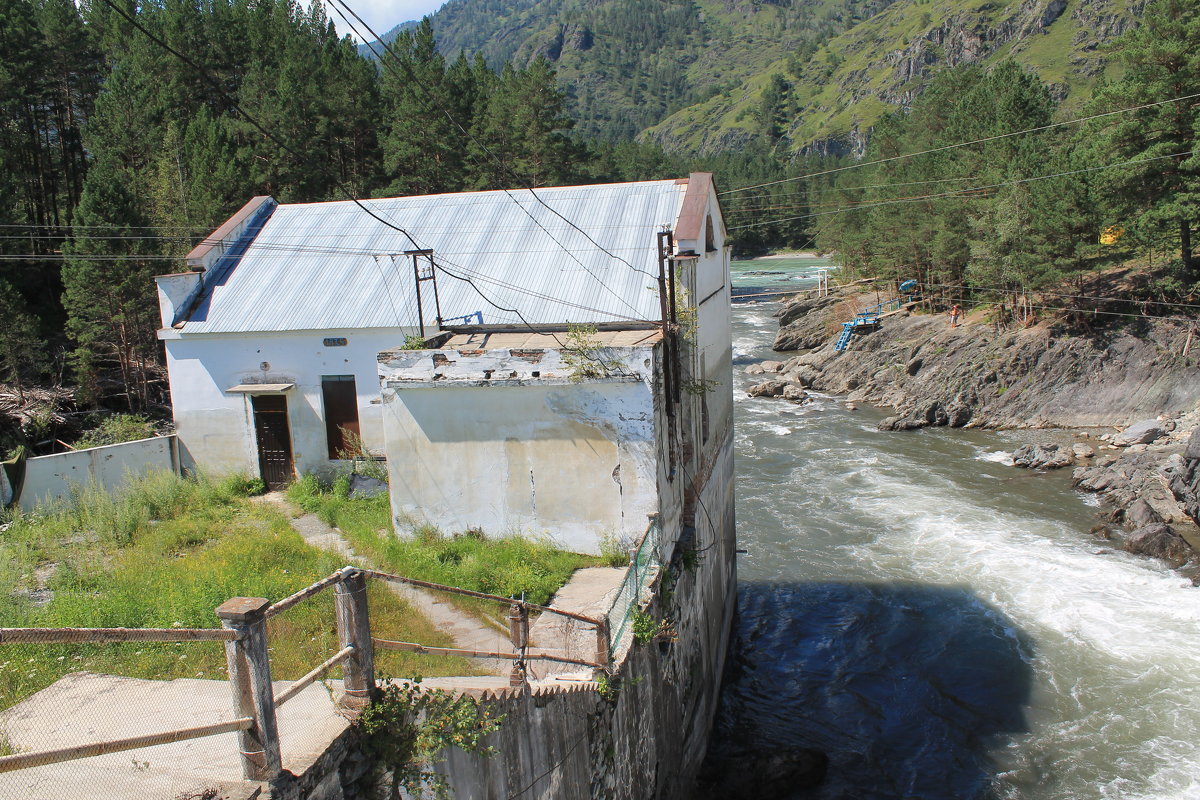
[[327, 266]]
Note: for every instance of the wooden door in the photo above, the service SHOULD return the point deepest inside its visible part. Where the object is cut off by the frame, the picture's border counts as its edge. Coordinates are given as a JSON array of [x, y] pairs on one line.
[[274, 440]]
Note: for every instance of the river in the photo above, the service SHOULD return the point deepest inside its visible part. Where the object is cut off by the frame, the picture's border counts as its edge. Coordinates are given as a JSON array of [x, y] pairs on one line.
[[940, 624]]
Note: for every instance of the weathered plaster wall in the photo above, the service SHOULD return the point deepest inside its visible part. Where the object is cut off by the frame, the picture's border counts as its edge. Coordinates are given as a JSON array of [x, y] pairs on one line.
[[53, 479], [649, 739], [513, 453], [216, 428]]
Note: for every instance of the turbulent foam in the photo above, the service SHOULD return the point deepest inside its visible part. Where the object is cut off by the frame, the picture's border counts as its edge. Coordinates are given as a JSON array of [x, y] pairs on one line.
[[1112, 641]]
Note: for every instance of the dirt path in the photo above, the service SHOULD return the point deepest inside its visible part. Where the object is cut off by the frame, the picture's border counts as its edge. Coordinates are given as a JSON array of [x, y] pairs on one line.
[[468, 632]]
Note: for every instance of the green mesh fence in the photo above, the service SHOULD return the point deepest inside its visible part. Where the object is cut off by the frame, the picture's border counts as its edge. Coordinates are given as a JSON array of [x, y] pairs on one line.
[[643, 566]]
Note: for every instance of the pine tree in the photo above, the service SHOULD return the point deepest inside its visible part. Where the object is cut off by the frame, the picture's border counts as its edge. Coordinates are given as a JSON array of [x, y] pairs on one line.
[[423, 148], [109, 292], [1160, 198]]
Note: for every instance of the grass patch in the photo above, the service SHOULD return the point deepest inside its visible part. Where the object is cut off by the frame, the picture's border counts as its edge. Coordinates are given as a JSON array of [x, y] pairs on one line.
[[508, 567], [165, 554]]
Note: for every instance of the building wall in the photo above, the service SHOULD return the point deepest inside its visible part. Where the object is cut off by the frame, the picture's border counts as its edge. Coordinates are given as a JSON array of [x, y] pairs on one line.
[[216, 427], [542, 455], [648, 736]]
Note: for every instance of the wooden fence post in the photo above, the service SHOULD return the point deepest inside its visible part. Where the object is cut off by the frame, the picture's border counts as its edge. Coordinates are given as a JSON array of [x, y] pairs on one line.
[[518, 633], [354, 629], [250, 679]]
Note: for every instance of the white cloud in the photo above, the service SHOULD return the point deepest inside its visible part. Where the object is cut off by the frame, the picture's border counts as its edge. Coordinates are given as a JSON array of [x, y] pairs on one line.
[[383, 15]]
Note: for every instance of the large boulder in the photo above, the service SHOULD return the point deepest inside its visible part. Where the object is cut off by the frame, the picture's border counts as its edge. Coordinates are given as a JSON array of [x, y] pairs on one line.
[[772, 388], [900, 423], [1140, 515], [1042, 456], [1160, 541], [1192, 450], [794, 394], [1143, 432]]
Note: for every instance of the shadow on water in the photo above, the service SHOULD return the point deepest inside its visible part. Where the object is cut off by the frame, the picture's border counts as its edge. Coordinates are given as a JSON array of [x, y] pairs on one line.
[[902, 686]]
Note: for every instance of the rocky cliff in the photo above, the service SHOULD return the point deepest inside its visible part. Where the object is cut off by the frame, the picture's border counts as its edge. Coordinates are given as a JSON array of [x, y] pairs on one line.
[[1127, 386]]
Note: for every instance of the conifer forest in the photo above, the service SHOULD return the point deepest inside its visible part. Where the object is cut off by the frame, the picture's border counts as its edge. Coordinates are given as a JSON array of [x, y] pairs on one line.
[[129, 131]]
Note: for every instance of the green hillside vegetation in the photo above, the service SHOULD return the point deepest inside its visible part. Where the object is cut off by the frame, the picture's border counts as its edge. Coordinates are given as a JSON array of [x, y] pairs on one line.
[[627, 64], [1024, 212], [700, 76]]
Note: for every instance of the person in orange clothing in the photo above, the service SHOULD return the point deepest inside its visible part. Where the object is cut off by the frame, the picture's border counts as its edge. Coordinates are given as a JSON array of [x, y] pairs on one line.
[[955, 315]]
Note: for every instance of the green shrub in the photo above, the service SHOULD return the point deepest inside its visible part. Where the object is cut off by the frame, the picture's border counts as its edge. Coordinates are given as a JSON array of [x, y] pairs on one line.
[[116, 429]]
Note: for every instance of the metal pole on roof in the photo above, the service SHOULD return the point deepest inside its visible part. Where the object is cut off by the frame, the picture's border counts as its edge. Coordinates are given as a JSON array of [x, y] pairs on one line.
[[416, 257]]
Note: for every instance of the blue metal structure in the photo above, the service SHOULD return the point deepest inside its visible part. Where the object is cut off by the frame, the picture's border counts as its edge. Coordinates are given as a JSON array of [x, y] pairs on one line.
[[869, 319]]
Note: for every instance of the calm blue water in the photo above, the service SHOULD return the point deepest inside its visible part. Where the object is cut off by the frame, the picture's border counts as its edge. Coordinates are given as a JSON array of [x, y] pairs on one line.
[[940, 624]]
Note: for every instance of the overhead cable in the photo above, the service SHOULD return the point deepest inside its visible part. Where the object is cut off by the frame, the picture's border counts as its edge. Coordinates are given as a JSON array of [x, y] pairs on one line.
[[962, 192], [963, 144]]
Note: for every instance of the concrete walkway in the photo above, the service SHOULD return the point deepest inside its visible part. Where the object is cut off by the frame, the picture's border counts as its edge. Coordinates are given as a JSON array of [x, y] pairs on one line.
[[83, 707]]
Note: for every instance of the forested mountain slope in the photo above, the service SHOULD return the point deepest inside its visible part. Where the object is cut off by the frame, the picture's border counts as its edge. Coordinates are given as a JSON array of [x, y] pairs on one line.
[[703, 76]]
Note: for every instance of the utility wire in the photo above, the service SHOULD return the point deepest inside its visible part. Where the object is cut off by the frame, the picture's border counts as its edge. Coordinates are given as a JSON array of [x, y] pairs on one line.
[[254, 122], [286, 147], [963, 144], [962, 192], [432, 97]]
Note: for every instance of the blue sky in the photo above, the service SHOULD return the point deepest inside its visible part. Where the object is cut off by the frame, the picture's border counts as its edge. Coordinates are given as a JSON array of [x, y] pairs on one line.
[[383, 15]]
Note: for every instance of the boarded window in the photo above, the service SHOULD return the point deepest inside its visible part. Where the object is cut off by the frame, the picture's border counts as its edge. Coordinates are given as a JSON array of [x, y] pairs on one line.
[[710, 235], [341, 411]]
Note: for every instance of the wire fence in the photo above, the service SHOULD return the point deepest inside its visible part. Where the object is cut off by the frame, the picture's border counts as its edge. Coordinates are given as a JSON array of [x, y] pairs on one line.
[[288, 698], [644, 565]]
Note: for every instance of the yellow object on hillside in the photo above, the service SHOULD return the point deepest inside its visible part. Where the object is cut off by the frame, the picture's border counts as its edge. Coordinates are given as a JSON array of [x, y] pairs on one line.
[[1112, 234]]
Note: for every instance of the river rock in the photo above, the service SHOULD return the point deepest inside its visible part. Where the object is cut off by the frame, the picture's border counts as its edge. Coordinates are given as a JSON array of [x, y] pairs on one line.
[[1042, 456], [771, 366], [1160, 541], [794, 393], [958, 414], [755, 369], [1143, 432], [772, 388], [805, 375], [898, 423], [1081, 450], [1140, 515], [1192, 450]]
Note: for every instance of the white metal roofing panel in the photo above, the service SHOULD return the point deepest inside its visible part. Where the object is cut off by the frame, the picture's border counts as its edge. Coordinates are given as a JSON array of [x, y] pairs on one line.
[[502, 256]]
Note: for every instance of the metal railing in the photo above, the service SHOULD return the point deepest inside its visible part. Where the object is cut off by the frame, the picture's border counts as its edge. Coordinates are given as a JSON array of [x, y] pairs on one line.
[[644, 565], [255, 701]]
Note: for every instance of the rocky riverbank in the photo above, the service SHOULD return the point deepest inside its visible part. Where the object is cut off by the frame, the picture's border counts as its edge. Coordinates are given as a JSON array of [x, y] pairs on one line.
[[1122, 385]]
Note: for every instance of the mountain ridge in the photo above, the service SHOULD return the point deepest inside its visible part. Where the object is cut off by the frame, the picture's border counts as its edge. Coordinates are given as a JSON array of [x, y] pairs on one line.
[[801, 76]]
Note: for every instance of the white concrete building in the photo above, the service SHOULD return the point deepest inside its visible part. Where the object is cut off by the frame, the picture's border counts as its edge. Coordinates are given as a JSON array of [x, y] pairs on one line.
[[273, 333], [617, 432]]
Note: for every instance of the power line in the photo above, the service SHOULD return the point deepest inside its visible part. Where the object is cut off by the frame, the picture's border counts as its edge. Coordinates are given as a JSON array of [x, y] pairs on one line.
[[964, 144], [962, 192], [838, 189], [359, 203], [432, 97], [254, 122]]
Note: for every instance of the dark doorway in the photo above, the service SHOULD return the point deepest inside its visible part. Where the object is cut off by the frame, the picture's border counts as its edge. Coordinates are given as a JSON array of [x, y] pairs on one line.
[[341, 411], [274, 439]]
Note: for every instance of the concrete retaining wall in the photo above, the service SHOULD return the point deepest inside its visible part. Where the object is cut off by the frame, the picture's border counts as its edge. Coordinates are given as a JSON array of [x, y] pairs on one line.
[[648, 738], [52, 479]]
